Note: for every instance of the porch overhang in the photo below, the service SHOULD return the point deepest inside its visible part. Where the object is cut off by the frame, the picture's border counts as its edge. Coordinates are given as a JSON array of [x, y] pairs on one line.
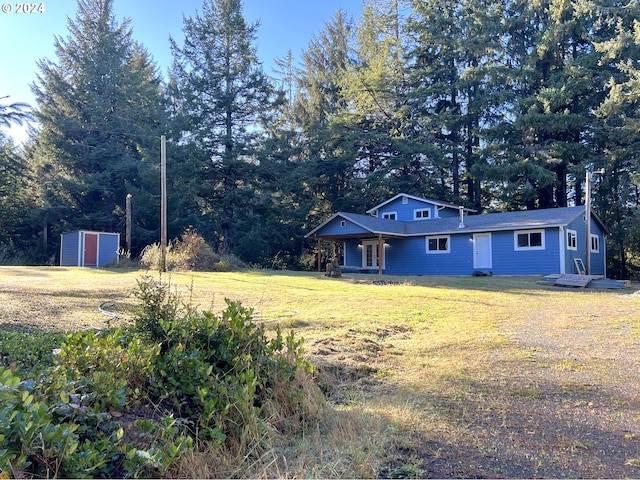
[[356, 236], [380, 237]]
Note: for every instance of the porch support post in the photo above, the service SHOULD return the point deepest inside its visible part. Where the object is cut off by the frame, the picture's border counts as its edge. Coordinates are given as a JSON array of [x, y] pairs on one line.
[[380, 253], [319, 255]]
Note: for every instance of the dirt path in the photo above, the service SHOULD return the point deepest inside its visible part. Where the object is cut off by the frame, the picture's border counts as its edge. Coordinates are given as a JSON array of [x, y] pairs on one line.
[[562, 400], [576, 412]]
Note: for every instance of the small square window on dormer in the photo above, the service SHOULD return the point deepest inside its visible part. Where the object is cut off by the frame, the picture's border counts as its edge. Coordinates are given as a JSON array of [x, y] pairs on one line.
[[421, 214]]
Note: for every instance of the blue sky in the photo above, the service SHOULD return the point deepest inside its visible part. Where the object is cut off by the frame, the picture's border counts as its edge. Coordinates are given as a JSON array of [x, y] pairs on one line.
[[27, 37]]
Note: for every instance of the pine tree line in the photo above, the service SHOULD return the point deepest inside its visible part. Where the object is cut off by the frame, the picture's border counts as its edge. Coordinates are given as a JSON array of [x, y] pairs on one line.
[[497, 105]]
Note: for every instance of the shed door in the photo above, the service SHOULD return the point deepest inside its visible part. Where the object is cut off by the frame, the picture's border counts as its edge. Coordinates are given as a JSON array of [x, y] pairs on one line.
[[91, 249], [482, 250]]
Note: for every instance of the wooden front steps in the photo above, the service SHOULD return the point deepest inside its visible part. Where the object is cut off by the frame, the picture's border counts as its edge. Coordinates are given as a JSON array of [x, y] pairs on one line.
[[582, 281]]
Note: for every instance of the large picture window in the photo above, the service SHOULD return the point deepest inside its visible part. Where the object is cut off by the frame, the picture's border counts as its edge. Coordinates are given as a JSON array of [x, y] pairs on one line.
[[528, 240], [439, 244]]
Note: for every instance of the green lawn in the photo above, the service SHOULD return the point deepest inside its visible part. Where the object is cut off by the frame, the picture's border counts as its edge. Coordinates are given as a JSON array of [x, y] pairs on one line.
[[427, 376]]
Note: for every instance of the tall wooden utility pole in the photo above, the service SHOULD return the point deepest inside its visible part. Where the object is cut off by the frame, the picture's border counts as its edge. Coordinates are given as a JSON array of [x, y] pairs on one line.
[[128, 222], [587, 218], [163, 203]]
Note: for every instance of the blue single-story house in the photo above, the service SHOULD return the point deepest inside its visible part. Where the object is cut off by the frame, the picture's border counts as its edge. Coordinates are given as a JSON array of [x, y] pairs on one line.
[[408, 235], [85, 248]]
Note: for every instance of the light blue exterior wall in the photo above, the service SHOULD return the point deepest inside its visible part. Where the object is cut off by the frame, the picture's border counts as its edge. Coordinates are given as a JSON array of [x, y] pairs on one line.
[[72, 248], [509, 261], [597, 258], [335, 228], [108, 246], [408, 255]]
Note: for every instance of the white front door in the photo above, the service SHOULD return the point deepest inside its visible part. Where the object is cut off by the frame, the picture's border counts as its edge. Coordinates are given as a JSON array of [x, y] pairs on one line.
[[370, 254], [482, 250]]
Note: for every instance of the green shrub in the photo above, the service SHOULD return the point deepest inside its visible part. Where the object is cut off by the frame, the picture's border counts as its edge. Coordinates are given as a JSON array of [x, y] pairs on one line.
[[49, 434], [129, 402], [229, 263], [191, 253], [217, 370], [28, 352]]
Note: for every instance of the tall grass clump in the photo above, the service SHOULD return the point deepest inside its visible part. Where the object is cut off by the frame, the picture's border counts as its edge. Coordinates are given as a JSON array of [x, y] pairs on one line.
[[175, 384], [189, 253]]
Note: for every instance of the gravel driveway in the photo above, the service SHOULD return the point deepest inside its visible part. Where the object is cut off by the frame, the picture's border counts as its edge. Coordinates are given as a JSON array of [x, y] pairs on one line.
[[562, 401]]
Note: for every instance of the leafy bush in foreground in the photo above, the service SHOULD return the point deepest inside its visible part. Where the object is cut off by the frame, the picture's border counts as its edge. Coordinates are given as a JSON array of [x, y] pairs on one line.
[[26, 351], [130, 402]]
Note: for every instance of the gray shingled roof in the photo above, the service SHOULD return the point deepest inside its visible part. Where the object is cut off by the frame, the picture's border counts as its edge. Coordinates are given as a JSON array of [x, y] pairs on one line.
[[551, 217], [375, 224]]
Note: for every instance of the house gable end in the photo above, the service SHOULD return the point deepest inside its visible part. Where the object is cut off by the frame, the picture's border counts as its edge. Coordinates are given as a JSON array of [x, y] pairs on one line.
[[339, 225], [408, 208]]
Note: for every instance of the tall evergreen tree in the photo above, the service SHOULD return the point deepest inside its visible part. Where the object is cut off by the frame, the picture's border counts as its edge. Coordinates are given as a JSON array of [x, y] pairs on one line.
[[456, 61], [387, 158], [547, 137], [617, 140], [223, 97], [325, 61], [15, 203], [329, 150], [100, 112]]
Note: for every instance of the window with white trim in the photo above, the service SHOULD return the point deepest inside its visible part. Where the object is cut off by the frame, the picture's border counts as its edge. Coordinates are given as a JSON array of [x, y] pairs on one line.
[[421, 214], [390, 215], [595, 243], [405, 200], [343, 223], [528, 240], [572, 240], [439, 244]]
